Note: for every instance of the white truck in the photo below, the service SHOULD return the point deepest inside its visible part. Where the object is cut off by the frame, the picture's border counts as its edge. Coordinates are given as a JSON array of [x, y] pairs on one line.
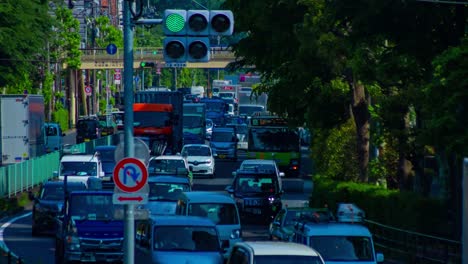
[[22, 133]]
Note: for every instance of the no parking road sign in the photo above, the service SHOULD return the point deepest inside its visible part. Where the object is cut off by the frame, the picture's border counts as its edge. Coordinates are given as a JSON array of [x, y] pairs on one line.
[[130, 178]]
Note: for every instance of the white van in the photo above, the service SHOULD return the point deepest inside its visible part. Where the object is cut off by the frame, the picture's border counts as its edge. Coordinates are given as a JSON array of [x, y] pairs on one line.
[[220, 208], [79, 168]]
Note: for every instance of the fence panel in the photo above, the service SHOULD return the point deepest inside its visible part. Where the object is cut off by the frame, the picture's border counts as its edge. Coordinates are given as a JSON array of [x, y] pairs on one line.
[[412, 247]]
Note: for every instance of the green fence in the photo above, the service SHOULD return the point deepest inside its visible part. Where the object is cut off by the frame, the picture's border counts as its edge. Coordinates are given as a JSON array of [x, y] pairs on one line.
[[19, 177]]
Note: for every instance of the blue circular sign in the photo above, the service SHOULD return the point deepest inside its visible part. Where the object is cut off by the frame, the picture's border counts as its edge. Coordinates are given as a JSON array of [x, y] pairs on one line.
[[111, 49]]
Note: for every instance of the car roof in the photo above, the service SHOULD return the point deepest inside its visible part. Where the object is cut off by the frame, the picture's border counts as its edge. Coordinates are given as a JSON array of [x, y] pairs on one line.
[[168, 179], [278, 248], [167, 157], [181, 220], [335, 229], [79, 157], [106, 147], [207, 196], [61, 183], [196, 145], [258, 161], [223, 129]]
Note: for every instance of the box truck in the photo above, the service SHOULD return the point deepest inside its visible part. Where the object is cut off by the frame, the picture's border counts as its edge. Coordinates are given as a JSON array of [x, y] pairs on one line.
[[22, 122]]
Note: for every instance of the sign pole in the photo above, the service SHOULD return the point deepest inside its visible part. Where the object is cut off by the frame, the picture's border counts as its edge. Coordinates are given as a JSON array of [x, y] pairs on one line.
[[129, 224]]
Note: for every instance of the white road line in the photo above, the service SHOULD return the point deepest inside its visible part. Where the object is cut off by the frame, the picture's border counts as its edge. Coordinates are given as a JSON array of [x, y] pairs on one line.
[[5, 225]]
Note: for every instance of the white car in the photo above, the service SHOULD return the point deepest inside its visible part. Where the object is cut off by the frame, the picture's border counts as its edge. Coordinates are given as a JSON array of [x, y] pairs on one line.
[[251, 252], [260, 164], [200, 159], [79, 168]]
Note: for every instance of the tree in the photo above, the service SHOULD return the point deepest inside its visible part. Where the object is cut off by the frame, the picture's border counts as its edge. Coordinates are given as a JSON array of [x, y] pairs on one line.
[[25, 26], [107, 33]]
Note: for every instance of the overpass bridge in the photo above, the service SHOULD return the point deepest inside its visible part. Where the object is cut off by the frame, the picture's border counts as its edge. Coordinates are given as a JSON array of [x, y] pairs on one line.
[[93, 59]]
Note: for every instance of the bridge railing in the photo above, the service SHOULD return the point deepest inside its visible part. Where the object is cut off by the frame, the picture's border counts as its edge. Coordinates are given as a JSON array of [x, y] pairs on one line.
[[413, 247], [148, 53]]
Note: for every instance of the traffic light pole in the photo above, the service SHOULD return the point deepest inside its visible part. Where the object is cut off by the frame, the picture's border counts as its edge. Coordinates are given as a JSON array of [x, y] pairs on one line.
[[129, 217]]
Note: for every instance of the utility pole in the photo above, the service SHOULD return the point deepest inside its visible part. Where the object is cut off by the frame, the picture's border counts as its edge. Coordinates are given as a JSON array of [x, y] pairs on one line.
[[129, 151]]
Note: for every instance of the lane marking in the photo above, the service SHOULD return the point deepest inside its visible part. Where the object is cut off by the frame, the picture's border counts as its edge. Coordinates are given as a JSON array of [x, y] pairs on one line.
[[5, 225]]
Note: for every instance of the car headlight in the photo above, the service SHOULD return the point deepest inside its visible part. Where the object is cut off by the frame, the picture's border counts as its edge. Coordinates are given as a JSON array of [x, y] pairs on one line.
[[271, 199], [235, 234], [208, 161], [73, 243]]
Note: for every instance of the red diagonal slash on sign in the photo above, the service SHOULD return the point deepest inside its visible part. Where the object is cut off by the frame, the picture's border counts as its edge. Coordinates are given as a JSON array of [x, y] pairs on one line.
[[137, 198]]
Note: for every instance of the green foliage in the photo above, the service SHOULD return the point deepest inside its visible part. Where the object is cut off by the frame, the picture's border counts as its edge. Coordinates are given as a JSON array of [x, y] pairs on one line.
[[445, 101], [25, 26], [405, 210], [108, 33], [65, 44], [61, 116], [334, 152]]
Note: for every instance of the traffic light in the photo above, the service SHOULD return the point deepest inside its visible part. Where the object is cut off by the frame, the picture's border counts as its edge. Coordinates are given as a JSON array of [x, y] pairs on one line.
[[187, 33], [221, 22], [147, 64]]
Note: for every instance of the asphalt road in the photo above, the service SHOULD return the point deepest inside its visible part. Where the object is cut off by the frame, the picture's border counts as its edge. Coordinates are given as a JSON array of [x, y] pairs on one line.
[[35, 250]]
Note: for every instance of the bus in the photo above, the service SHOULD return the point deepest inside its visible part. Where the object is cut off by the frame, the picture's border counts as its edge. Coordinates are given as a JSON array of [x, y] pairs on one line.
[[270, 137]]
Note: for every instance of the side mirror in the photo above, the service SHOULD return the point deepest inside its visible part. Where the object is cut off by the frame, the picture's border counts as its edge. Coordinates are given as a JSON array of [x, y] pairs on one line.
[[102, 174], [229, 189], [63, 134], [55, 173], [234, 174], [380, 257], [276, 223], [281, 174]]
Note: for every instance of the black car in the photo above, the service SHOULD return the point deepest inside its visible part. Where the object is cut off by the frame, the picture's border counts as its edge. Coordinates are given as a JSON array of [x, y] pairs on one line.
[[87, 129], [257, 193], [48, 203]]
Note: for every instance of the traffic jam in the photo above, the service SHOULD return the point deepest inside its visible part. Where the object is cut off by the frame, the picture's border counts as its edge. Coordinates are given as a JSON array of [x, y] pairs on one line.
[[185, 136]]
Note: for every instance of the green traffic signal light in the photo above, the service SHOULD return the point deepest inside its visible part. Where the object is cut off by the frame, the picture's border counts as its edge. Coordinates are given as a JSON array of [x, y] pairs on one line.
[[175, 22], [142, 64]]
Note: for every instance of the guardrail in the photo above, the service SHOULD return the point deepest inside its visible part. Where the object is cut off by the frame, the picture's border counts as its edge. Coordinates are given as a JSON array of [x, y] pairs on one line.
[[23, 176], [413, 247]]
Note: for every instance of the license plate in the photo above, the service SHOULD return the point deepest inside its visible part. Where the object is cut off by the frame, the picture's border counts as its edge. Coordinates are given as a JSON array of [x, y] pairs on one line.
[[222, 156], [254, 210], [87, 140]]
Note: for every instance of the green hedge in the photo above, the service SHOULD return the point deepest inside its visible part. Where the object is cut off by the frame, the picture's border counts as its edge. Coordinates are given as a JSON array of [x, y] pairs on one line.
[[405, 210], [61, 116]]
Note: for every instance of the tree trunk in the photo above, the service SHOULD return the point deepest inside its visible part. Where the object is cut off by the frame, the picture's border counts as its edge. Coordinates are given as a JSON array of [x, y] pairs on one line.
[[404, 165], [360, 109]]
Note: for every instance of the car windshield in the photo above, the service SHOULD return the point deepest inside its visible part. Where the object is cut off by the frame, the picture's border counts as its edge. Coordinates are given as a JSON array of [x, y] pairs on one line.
[[221, 136], [343, 248], [254, 183], [215, 106], [87, 126], [273, 139], [196, 151], [219, 213], [226, 95], [51, 131], [192, 121], [249, 110], [167, 191], [57, 192], [151, 119], [185, 238], [167, 166], [78, 168], [106, 155], [286, 259], [93, 207]]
